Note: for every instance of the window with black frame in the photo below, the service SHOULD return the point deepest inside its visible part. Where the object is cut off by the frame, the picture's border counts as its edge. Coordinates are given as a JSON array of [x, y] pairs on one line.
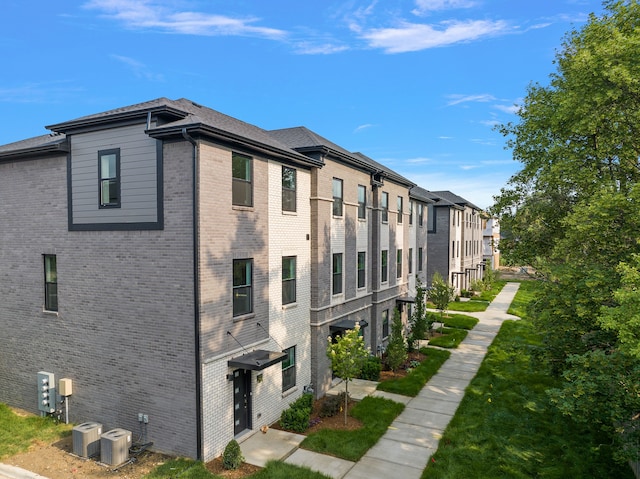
[[289, 369], [50, 282], [288, 189], [242, 185], [242, 289], [288, 279]]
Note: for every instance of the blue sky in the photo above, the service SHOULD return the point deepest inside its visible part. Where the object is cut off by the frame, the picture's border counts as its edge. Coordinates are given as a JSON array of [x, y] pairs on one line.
[[417, 85]]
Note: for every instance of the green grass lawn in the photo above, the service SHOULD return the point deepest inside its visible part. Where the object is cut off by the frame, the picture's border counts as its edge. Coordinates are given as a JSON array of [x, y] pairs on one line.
[[526, 294], [460, 321], [376, 415], [411, 384], [506, 427], [471, 306], [451, 338], [17, 433]]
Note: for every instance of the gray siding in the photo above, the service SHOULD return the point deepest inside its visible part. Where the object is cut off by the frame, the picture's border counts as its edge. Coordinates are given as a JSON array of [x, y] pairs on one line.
[[138, 170]]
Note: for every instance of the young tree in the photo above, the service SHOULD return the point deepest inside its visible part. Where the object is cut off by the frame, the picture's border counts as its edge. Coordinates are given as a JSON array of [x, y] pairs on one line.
[[397, 348], [347, 355], [419, 322], [441, 293]]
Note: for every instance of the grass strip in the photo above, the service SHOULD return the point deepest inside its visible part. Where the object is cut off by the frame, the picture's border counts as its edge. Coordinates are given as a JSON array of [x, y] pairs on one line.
[[527, 293], [451, 338], [461, 321], [411, 384], [376, 415], [506, 427], [17, 433], [468, 306], [282, 470]]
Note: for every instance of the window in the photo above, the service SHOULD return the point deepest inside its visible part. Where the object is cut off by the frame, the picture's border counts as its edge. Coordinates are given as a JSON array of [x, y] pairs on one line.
[[242, 272], [453, 249], [242, 189], [337, 197], [361, 269], [50, 283], [289, 369], [362, 202], [109, 166], [399, 209], [337, 273], [419, 259], [288, 189], [385, 323], [431, 218], [399, 263], [384, 267], [385, 206], [410, 260], [420, 214], [410, 212], [288, 279]]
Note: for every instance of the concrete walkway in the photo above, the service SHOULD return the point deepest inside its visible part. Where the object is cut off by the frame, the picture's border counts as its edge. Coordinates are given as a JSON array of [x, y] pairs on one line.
[[413, 437]]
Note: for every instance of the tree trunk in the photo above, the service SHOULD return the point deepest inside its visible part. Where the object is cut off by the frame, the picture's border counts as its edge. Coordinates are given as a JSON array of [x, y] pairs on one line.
[[346, 400]]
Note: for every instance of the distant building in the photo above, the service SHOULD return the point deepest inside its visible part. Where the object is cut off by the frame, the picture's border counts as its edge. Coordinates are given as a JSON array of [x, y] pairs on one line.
[[491, 242]]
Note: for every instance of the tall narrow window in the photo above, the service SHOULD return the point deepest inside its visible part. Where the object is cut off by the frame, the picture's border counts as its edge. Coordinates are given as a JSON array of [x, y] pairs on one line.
[[410, 212], [362, 256], [288, 189], [385, 323], [385, 206], [420, 214], [384, 266], [399, 263], [337, 273], [337, 197], [289, 369], [362, 202], [453, 249], [431, 218], [288, 279], [420, 259], [400, 209], [242, 279], [410, 266], [50, 283], [242, 188], [109, 166]]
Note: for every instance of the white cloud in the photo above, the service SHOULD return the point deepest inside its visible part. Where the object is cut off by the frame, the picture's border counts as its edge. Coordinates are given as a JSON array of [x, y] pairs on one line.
[[145, 14], [456, 99], [424, 6], [139, 69], [511, 109], [363, 127], [410, 37], [309, 48], [419, 161], [446, 137]]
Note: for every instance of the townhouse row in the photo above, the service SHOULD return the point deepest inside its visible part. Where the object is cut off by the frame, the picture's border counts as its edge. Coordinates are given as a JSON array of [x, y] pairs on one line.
[[179, 263]]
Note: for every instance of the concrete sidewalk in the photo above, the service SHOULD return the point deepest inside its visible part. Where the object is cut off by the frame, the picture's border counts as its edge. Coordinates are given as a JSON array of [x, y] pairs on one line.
[[405, 449]]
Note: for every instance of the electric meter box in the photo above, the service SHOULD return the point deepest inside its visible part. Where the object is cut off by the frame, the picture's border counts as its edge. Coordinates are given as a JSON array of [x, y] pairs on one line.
[[86, 439], [46, 392]]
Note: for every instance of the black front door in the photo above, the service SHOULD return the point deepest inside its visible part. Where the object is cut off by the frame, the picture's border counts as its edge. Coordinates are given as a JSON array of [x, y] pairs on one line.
[[241, 400]]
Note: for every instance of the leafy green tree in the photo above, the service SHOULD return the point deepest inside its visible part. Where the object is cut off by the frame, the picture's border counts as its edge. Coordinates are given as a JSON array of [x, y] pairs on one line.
[[347, 355], [419, 320], [441, 293], [572, 212], [397, 348]]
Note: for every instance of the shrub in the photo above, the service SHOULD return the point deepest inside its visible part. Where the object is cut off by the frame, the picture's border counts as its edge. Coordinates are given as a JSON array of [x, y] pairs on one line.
[[371, 369], [232, 457], [332, 405], [296, 417]]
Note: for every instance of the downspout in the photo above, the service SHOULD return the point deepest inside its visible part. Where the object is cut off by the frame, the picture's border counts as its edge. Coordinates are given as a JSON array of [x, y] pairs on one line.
[[196, 293]]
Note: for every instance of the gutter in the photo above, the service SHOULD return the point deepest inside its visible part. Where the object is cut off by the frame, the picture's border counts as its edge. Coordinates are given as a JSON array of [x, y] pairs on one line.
[[196, 294]]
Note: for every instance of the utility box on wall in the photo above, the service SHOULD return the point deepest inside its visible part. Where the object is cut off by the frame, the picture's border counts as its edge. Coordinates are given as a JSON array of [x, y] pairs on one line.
[[46, 392], [114, 447], [86, 439]]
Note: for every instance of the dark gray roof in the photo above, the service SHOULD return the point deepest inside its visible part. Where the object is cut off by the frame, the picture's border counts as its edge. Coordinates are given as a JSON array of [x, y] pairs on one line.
[[440, 201], [421, 194], [453, 198], [51, 143], [185, 114], [386, 171]]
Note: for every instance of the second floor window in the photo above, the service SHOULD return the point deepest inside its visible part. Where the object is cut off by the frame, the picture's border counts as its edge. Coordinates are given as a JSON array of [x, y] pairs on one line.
[[420, 259], [362, 202], [50, 283], [362, 268], [399, 209], [399, 263], [288, 279], [410, 266], [288, 189], [109, 166], [420, 214], [337, 273], [242, 293], [410, 212], [337, 197], [385, 206], [384, 266], [242, 188]]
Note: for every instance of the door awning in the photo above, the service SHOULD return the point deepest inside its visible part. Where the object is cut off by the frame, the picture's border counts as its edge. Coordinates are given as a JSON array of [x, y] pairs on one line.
[[257, 360], [406, 299], [345, 324]]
